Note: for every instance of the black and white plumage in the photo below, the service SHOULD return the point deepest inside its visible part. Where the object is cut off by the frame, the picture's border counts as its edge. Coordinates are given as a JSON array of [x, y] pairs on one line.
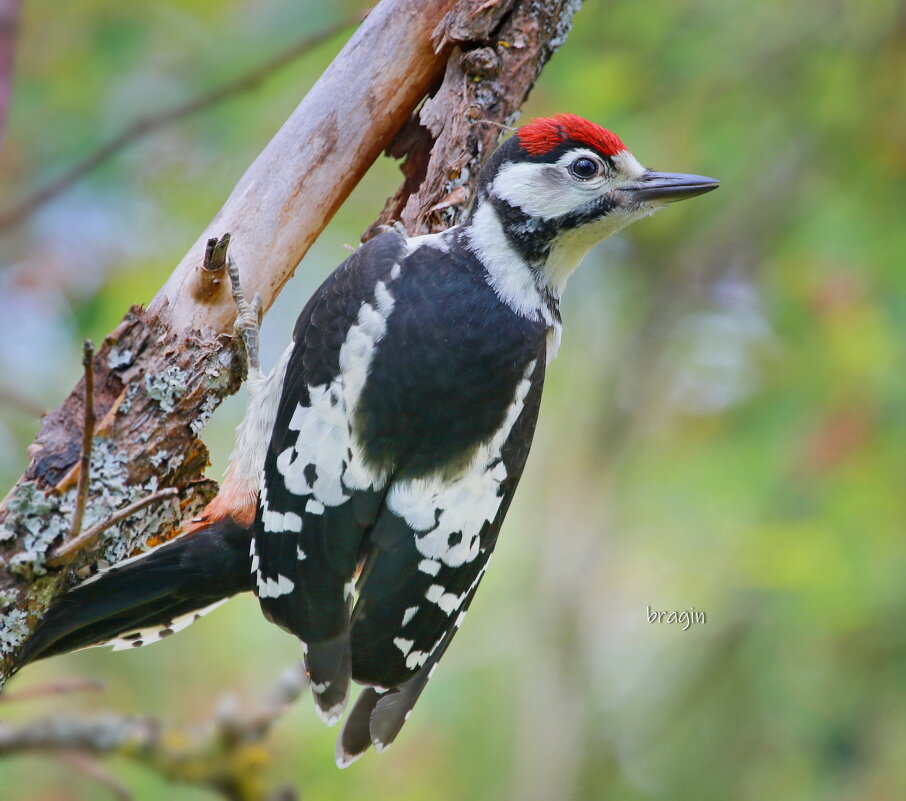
[[408, 406], [381, 454]]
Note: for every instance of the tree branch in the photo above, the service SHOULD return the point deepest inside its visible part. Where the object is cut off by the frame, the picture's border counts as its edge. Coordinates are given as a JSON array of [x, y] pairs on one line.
[[87, 439], [57, 688], [65, 552], [501, 46], [9, 25], [150, 124], [14, 398], [223, 754]]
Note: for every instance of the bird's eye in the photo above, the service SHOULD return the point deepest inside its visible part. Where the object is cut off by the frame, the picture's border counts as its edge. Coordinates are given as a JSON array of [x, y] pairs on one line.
[[584, 168]]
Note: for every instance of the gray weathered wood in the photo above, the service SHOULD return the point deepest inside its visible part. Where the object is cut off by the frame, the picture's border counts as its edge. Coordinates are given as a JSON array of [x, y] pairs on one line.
[[295, 186]]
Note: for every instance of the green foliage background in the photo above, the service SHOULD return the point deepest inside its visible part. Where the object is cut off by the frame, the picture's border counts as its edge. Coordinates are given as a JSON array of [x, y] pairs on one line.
[[723, 429]]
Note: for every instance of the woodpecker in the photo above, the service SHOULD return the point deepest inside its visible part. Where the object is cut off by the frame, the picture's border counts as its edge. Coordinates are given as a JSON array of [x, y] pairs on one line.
[[377, 460]]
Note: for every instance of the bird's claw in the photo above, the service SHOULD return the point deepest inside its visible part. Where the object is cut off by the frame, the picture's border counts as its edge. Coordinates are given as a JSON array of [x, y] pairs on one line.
[[248, 316]]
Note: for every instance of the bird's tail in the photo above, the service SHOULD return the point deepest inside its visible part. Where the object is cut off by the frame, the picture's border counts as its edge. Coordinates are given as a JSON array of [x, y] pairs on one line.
[[149, 596]]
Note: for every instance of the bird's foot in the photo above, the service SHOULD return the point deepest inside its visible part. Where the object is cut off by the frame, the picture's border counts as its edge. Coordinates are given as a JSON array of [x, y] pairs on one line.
[[248, 318]]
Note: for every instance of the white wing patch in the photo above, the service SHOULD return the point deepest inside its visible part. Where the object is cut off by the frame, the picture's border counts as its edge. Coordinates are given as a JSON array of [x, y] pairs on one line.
[[447, 601], [253, 555], [274, 588], [403, 644], [279, 521], [448, 516], [429, 566], [325, 462], [415, 659], [439, 241]]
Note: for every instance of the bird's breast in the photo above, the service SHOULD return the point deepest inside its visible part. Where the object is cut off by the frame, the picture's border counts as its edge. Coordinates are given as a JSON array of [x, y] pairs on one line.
[[444, 373]]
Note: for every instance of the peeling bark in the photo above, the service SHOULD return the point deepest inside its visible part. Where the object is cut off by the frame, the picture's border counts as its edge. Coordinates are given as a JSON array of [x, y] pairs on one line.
[[154, 390], [499, 52]]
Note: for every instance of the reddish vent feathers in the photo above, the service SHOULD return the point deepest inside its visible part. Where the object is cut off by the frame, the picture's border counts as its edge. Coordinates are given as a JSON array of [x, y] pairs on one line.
[[543, 135]]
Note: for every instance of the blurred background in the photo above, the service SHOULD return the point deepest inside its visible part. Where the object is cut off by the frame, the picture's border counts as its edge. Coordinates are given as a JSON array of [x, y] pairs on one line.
[[723, 428]]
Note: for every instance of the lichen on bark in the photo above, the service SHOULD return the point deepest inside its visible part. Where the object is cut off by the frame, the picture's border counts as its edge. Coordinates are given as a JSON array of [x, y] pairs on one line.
[[154, 389]]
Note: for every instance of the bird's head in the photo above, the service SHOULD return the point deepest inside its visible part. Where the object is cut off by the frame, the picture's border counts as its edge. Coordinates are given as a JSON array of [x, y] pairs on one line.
[[562, 184]]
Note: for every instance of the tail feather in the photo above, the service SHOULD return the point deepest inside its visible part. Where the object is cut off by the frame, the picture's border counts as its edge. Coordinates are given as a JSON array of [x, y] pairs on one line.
[[355, 738], [378, 715], [159, 630], [148, 597], [329, 666]]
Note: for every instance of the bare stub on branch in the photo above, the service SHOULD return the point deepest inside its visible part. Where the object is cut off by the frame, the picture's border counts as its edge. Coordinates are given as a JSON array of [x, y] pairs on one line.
[[501, 46]]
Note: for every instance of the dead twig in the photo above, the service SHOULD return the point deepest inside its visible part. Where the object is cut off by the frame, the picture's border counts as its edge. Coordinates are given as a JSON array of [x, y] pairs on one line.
[[9, 24], [223, 754], [144, 126], [63, 687], [70, 547], [87, 439]]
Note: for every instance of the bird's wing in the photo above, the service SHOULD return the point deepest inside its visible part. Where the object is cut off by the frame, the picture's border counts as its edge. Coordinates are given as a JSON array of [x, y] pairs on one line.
[[429, 548], [445, 409], [317, 496]]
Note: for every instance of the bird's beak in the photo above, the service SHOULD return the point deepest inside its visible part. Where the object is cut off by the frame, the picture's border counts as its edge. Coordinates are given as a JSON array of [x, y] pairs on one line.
[[669, 186]]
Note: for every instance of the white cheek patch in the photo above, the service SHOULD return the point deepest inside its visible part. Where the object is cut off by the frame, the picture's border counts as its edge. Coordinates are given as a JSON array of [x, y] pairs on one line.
[[547, 191], [541, 190], [509, 276]]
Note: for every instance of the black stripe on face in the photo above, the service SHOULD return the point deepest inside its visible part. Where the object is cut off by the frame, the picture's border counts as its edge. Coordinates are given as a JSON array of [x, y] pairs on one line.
[[589, 213], [532, 237]]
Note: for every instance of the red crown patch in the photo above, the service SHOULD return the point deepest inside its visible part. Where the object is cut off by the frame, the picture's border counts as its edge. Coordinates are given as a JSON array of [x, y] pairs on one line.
[[543, 135]]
